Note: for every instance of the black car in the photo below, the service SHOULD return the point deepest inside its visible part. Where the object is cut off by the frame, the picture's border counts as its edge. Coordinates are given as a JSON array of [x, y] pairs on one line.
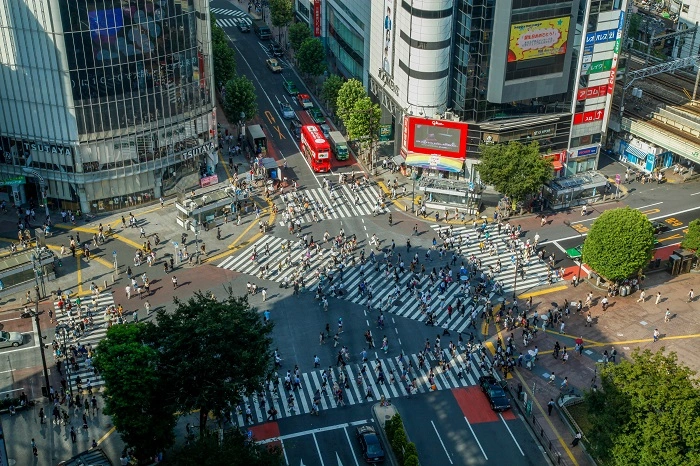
[[243, 26], [276, 49], [295, 128], [660, 227], [494, 393], [372, 450]]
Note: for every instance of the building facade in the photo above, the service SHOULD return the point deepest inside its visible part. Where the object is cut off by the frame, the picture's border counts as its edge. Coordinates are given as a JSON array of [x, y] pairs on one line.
[[104, 105]]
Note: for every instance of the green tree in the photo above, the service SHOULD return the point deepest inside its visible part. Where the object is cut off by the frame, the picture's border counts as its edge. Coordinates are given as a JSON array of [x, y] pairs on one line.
[[348, 95], [311, 57], [213, 352], [298, 33], [692, 238], [234, 450], [646, 413], [411, 460], [134, 397], [329, 92], [619, 243], [218, 36], [281, 13], [635, 22], [364, 120], [240, 97], [514, 169], [224, 60]]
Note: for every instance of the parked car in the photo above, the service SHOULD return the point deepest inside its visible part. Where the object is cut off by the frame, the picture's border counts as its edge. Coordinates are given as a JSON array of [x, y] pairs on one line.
[[305, 101], [274, 65], [494, 393], [243, 26], [276, 49], [574, 253], [316, 115], [290, 87], [370, 444], [287, 111], [8, 339]]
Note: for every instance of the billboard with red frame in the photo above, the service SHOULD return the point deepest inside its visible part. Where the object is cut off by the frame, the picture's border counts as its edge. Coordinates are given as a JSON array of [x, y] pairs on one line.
[[431, 136]]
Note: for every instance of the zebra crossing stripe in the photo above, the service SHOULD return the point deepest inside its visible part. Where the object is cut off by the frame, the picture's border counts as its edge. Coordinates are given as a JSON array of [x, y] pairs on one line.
[[356, 393], [341, 204]]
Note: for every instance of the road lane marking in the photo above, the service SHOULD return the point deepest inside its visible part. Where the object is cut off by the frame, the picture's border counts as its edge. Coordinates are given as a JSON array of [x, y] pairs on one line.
[[352, 450], [104, 437], [556, 243], [650, 205], [476, 438], [441, 442], [511, 434], [318, 449], [695, 194], [269, 116], [316, 431]]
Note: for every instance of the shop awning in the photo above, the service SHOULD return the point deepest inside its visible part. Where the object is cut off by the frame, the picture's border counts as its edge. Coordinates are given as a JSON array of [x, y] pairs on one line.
[[435, 162], [557, 165]]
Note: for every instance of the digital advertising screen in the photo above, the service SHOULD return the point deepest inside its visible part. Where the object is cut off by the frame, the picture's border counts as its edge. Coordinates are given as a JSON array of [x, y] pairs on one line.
[[538, 39], [441, 137]]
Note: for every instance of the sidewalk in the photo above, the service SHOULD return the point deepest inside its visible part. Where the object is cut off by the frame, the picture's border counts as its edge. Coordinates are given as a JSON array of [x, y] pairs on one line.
[[626, 325]]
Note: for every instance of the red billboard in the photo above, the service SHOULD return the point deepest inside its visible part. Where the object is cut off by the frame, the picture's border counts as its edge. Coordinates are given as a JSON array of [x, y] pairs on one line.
[[317, 18], [588, 117], [592, 92], [439, 137]]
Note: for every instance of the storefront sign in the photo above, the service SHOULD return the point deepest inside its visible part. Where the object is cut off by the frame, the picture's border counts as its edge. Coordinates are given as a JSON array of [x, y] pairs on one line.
[[388, 81], [386, 132], [587, 151], [27, 146], [14, 181], [592, 92], [600, 66], [541, 132], [208, 180], [588, 117], [600, 37], [317, 17], [208, 147]]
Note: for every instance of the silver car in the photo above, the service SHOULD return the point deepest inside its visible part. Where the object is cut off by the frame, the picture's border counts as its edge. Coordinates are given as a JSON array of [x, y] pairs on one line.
[[10, 339], [326, 130]]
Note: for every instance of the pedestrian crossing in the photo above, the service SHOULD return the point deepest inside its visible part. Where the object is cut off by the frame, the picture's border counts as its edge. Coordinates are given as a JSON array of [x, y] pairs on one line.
[[397, 374], [283, 258], [338, 202], [232, 22], [90, 335]]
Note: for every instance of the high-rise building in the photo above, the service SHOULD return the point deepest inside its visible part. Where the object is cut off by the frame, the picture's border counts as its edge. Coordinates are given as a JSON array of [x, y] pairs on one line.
[[104, 104], [688, 12]]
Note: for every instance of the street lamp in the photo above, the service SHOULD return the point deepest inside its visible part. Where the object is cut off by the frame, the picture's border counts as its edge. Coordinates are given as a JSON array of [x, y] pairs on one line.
[[38, 273], [36, 313], [63, 330], [515, 282], [580, 259]]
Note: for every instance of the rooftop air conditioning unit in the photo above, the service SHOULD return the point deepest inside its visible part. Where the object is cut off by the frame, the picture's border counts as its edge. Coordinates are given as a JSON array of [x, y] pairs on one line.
[[449, 116]]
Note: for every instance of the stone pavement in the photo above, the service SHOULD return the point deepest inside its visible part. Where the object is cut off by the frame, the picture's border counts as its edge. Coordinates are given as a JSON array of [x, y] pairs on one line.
[[626, 325]]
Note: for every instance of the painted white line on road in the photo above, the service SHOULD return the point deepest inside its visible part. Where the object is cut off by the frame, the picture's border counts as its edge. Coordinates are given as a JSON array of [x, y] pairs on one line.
[[559, 246], [650, 205], [475, 438], [441, 442], [511, 434], [7, 320], [352, 450], [318, 449], [695, 194], [284, 450], [316, 431]]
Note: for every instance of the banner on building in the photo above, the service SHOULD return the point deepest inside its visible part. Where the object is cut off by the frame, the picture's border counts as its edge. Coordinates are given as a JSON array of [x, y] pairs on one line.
[[538, 39]]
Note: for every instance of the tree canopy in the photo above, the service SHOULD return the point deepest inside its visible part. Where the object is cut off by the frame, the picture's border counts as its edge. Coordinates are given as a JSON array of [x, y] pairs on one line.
[[224, 60], [240, 97], [213, 352], [298, 33], [514, 169], [619, 243], [311, 57], [281, 12], [364, 120], [692, 237], [349, 94], [128, 363], [217, 32], [234, 450], [646, 413], [331, 87]]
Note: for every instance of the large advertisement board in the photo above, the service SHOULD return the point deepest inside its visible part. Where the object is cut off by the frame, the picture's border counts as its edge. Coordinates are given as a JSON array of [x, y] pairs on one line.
[[388, 37], [440, 137], [538, 39]]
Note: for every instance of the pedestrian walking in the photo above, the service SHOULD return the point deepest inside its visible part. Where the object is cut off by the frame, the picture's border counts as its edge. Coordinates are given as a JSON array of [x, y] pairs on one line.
[[142, 233], [264, 294], [550, 406], [42, 416], [656, 335], [73, 435], [147, 305], [691, 295], [642, 296], [667, 317], [174, 280], [552, 378], [658, 298], [577, 439], [35, 451]]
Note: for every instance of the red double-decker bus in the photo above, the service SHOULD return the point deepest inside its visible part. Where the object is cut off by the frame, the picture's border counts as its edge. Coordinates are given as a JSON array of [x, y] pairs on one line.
[[315, 148]]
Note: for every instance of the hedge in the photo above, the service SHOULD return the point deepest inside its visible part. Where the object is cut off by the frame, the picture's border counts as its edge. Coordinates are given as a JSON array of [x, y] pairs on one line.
[[405, 451]]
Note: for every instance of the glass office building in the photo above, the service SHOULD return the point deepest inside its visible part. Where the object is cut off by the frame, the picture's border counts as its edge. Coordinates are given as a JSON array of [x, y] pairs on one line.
[[104, 104]]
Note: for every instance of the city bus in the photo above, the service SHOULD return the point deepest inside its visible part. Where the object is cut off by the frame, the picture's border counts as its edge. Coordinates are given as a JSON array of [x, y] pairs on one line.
[[315, 148]]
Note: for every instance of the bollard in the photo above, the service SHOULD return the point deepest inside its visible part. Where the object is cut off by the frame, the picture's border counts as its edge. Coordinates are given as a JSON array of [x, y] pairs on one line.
[[105, 283]]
